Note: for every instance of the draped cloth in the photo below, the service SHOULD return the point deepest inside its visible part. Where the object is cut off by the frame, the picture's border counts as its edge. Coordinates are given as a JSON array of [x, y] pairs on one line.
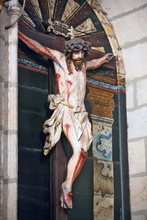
[[53, 126]]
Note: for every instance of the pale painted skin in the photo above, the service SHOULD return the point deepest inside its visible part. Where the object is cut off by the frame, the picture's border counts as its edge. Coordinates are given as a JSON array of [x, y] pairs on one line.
[[72, 87]]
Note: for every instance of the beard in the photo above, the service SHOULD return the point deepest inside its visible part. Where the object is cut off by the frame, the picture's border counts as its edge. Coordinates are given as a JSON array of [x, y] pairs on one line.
[[78, 64]]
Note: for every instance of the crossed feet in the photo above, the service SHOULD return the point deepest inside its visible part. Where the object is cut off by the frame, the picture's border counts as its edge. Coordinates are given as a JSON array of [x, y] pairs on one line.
[[66, 197]]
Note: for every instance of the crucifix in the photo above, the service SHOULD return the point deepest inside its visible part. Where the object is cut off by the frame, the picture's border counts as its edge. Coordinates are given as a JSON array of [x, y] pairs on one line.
[[69, 114]]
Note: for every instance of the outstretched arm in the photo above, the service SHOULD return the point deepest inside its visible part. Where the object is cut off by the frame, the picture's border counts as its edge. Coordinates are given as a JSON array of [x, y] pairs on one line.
[[95, 63], [54, 55]]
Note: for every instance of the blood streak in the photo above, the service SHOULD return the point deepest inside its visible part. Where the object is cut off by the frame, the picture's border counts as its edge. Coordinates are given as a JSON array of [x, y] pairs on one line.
[[69, 84], [57, 80], [80, 163], [67, 126], [42, 50]]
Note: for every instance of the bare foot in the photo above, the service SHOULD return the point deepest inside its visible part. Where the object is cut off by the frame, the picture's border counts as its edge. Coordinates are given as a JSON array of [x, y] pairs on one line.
[[66, 200]]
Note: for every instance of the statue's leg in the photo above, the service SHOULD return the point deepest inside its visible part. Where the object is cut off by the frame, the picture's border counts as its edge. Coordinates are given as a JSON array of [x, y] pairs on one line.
[[77, 160], [80, 163]]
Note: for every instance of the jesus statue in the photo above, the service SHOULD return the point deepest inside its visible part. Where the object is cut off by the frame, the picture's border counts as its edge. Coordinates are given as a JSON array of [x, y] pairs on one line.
[[69, 114]]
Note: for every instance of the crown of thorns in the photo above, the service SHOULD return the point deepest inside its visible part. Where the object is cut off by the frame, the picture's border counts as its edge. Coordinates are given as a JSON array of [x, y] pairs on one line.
[[76, 44]]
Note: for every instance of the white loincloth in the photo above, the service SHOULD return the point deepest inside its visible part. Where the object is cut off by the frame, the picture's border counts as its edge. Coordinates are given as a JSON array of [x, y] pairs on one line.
[[53, 126]]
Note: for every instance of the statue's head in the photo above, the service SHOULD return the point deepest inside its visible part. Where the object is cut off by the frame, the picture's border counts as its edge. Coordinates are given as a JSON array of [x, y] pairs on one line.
[[75, 45], [76, 50]]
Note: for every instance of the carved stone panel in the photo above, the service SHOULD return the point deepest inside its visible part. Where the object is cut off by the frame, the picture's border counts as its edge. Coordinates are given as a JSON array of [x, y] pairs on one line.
[[103, 190], [103, 200], [102, 138]]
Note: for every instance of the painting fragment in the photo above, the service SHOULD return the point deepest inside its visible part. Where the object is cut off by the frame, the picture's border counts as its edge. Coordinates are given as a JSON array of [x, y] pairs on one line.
[[86, 27], [103, 200], [51, 7], [102, 139], [70, 8]]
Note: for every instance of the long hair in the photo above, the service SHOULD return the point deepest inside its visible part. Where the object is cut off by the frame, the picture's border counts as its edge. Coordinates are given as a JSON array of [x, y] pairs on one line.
[[75, 45]]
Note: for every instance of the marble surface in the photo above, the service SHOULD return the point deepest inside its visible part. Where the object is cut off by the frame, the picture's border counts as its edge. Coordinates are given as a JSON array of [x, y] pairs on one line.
[[103, 177], [103, 190], [102, 139], [103, 207]]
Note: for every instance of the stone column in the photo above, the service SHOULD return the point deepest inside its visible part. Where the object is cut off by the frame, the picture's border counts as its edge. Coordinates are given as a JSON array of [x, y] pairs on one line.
[[8, 115], [128, 20]]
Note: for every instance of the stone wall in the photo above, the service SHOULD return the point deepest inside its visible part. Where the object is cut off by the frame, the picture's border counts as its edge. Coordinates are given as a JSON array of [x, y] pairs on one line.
[[128, 19]]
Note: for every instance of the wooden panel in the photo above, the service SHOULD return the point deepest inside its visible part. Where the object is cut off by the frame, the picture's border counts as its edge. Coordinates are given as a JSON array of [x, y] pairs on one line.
[[30, 9], [80, 16], [103, 190], [57, 177], [25, 23], [44, 9], [59, 8], [97, 77], [51, 41], [101, 102], [70, 8], [97, 39]]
